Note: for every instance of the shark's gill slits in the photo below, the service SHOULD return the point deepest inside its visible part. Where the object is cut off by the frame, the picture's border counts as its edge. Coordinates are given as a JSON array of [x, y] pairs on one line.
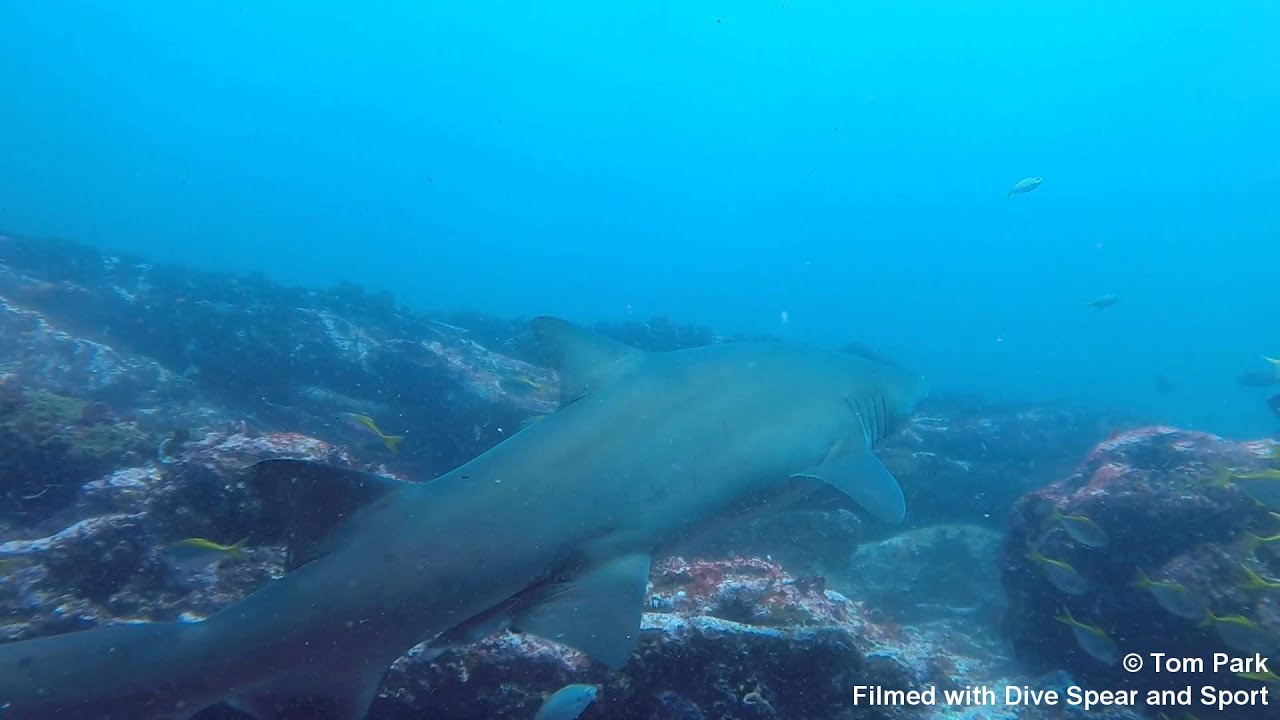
[[863, 420], [882, 422]]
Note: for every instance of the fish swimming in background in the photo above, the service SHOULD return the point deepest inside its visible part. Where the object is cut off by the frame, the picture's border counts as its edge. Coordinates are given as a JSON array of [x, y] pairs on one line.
[[1102, 303], [1091, 638], [568, 703], [1257, 582], [1267, 676], [1082, 529], [197, 553], [1239, 632], [1252, 542], [1263, 486], [1063, 576], [530, 382], [366, 424], [1171, 596], [1025, 185], [1275, 365]]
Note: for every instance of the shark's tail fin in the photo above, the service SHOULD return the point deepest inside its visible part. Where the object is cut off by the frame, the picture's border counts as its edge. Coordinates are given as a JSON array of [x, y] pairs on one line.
[[120, 671]]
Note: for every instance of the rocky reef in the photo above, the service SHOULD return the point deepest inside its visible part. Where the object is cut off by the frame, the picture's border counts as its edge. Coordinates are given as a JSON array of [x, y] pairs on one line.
[[133, 397], [1177, 543]]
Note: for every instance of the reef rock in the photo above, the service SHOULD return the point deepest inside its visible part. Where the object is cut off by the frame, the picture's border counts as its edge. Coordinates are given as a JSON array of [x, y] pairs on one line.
[[731, 638], [938, 572], [1152, 493], [50, 444], [961, 460], [259, 351]]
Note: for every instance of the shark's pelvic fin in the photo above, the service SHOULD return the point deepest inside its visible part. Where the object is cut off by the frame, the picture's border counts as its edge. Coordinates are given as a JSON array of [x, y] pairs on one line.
[[494, 620], [312, 694], [860, 475], [597, 612], [584, 359], [310, 500]]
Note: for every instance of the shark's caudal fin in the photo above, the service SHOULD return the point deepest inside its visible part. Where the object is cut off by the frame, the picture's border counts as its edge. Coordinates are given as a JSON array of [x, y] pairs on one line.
[[584, 359], [135, 671], [310, 500]]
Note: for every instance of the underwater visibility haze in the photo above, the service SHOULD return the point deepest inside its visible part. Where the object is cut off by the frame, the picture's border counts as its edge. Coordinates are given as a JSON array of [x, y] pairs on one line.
[[844, 164], [636, 360]]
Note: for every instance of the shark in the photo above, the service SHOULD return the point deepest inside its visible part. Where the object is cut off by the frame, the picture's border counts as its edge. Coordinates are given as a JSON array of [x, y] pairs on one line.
[[549, 532]]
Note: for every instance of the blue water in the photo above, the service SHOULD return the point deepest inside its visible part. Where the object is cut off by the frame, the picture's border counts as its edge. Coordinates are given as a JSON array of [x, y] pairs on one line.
[[718, 162]]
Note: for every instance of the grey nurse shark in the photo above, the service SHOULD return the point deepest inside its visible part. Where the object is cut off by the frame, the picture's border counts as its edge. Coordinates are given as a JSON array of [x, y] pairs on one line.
[[550, 532]]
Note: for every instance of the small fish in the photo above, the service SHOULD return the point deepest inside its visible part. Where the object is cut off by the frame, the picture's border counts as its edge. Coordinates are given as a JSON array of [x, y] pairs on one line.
[[1256, 581], [366, 424], [1104, 302], [1025, 185], [1253, 542], [1238, 632], [521, 383], [1171, 596], [1091, 638], [1266, 677], [526, 380], [1063, 576], [1082, 529], [1275, 365], [1263, 486], [197, 553], [568, 703]]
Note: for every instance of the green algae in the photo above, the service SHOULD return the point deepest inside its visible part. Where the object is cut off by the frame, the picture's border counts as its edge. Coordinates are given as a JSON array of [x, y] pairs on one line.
[[51, 444]]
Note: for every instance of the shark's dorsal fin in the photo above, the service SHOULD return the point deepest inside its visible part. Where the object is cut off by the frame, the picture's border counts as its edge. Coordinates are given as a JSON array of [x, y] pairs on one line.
[[309, 500], [596, 612], [585, 359]]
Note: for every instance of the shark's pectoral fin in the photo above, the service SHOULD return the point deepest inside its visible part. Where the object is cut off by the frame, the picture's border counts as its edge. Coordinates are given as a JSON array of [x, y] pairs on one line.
[[314, 694], [597, 612], [862, 476], [584, 359], [309, 500]]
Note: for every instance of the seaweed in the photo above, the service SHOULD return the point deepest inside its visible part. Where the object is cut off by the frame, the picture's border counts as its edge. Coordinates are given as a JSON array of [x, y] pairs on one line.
[[51, 444]]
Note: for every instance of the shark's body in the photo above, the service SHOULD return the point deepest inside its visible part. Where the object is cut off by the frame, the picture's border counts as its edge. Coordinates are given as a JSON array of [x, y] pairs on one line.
[[552, 529]]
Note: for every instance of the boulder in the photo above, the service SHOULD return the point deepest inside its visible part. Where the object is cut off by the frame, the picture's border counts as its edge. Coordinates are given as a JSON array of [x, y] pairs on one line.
[[1152, 493]]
